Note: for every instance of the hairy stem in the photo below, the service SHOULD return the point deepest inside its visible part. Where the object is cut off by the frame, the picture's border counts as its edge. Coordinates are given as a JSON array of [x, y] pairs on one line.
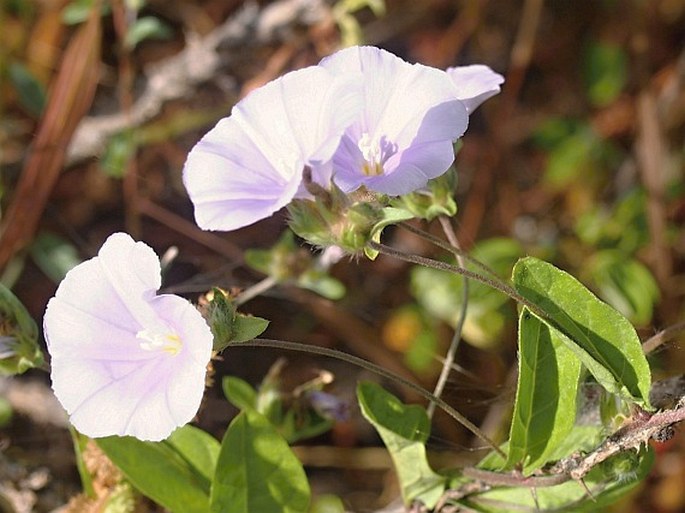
[[454, 249], [443, 266]]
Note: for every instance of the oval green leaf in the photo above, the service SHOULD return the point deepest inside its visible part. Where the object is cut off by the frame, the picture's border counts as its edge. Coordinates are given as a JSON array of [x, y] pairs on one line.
[[404, 430], [174, 473], [545, 406], [257, 471], [604, 340], [239, 393]]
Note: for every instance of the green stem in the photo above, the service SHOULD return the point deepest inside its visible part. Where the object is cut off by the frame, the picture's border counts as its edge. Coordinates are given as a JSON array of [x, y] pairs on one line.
[[454, 249], [354, 360], [444, 266], [456, 337]]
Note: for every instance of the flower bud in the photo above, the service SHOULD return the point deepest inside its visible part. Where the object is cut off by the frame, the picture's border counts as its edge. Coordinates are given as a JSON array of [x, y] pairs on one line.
[[19, 349], [336, 220], [228, 325], [434, 200]]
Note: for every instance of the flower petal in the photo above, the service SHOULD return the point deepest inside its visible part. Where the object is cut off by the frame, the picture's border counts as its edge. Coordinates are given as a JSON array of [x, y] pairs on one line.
[[102, 373], [250, 165], [405, 105], [413, 168], [474, 84], [397, 95]]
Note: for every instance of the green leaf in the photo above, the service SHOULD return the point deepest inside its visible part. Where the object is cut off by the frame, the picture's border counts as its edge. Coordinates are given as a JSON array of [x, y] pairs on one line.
[[572, 158], [404, 430], [6, 412], [77, 11], [300, 425], [582, 438], [602, 338], [120, 150], [174, 473], [31, 91], [199, 448], [545, 406], [257, 471], [239, 392], [321, 283], [80, 442], [327, 503], [147, 27]]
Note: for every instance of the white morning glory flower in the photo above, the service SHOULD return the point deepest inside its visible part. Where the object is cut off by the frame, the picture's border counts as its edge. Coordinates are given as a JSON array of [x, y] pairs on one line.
[[404, 135], [474, 84], [125, 361], [250, 164]]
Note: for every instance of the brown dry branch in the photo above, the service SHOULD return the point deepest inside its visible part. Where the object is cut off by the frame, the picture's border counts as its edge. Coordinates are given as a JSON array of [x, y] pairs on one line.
[[200, 62], [631, 436], [70, 98]]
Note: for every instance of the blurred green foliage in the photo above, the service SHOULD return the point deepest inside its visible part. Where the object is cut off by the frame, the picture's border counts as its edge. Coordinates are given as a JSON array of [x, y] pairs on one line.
[[605, 67], [30, 91], [441, 294], [54, 255]]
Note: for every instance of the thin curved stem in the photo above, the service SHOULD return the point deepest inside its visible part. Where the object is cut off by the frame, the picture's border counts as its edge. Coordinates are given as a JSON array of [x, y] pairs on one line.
[[443, 266], [354, 360], [255, 290], [456, 337], [664, 335], [454, 249]]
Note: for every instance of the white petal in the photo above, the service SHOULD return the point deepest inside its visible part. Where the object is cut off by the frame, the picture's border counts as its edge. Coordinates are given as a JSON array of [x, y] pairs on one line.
[[250, 165], [474, 84], [101, 373], [398, 95]]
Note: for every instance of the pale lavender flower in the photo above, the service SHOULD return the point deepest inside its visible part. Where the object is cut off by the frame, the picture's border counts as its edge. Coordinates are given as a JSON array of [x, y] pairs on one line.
[[125, 361], [250, 165], [474, 84], [405, 133]]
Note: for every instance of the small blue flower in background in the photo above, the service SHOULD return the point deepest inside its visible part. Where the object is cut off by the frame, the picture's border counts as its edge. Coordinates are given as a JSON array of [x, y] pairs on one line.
[[125, 361]]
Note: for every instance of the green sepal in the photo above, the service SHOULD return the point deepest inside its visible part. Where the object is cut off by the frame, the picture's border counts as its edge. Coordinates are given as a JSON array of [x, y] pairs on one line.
[[436, 199], [227, 324], [19, 350], [389, 216]]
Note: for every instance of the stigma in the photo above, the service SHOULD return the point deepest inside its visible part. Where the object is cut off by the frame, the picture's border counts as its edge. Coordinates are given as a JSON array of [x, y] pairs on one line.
[[168, 342], [371, 151]]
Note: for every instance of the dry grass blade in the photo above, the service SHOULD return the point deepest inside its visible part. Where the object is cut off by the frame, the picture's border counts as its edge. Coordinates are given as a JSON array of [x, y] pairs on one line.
[[70, 98]]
